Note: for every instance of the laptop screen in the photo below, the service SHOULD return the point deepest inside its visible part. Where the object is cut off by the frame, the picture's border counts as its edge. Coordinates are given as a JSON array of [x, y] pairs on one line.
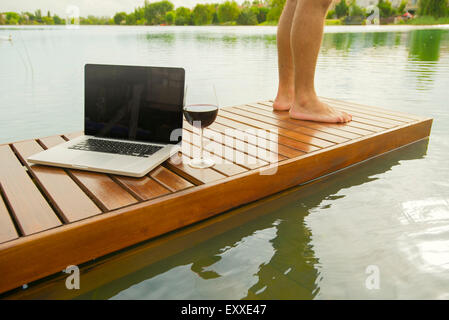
[[133, 103]]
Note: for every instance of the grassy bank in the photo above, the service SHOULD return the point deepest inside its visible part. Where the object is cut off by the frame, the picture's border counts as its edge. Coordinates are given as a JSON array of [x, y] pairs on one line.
[[428, 20]]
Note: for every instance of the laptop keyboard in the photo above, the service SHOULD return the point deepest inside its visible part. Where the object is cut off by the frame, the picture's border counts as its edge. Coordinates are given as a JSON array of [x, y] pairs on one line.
[[116, 147]]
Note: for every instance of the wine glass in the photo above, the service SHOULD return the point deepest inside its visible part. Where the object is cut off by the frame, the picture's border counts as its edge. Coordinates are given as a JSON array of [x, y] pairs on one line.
[[200, 110]]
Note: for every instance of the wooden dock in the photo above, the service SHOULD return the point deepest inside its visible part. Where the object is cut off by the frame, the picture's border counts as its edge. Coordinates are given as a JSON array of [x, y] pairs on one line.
[[51, 218]]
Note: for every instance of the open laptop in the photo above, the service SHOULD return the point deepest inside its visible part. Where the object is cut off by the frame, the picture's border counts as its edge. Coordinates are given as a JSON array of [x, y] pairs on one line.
[[132, 121]]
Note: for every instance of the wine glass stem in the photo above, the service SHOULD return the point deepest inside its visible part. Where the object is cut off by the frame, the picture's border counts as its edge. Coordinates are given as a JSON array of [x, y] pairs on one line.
[[201, 144]]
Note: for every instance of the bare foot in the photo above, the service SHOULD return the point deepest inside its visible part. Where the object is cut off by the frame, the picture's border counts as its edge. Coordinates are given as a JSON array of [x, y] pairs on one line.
[[315, 110], [284, 102]]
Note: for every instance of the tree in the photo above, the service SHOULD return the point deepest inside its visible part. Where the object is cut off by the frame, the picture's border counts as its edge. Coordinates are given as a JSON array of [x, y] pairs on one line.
[[170, 17], [275, 10], [47, 20], [182, 16], [120, 18], [385, 8], [355, 10], [202, 14], [435, 8], [341, 9], [155, 12], [57, 19], [261, 14], [247, 17], [228, 11]]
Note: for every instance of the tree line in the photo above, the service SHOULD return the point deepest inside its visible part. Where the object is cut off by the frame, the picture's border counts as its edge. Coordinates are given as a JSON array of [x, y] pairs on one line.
[[257, 12], [164, 13]]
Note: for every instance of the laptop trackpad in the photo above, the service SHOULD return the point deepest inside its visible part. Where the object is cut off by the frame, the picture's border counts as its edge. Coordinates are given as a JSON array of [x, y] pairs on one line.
[[91, 159]]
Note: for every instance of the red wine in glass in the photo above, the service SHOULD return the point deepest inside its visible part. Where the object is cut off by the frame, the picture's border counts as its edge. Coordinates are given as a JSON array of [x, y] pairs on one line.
[[201, 116]]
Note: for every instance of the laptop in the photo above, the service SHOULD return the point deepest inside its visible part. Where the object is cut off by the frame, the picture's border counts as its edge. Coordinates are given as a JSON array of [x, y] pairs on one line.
[[132, 121]]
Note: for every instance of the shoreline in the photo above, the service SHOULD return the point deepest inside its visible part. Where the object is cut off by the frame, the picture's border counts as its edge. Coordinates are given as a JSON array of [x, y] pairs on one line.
[[327, 29]]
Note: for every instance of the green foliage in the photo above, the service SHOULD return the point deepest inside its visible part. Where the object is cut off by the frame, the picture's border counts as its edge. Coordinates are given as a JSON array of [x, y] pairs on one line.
[[355, 10], [228, 11], [434, 8], [401, 8], [276, 7], [182, 16], [428, 20], [155, 12], [330, 14], [202, 14], [247, 17], [333, 22], [170, 18], [341, 9], [48, 20], [120, 18], [386, 10], [58, 20], [262, 13]]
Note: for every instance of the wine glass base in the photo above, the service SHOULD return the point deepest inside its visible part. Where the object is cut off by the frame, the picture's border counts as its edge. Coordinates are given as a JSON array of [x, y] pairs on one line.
[[201, 163]]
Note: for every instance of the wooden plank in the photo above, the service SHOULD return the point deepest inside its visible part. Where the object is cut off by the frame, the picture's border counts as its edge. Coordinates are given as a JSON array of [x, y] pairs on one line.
[[49, 253], [7, 229], [246, 161], [315, 125], [214, 139], [288, 125], [144, 188], [228, 138], [222, 165], [258, 141], [106, 193], [352, 125], [197, 176], [65, 195], [377, 109], [291, 143], [281, 131], [170, 179], [30, 209]]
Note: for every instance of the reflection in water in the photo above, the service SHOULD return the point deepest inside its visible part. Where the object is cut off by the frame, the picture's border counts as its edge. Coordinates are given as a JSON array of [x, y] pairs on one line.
[[424, 45]]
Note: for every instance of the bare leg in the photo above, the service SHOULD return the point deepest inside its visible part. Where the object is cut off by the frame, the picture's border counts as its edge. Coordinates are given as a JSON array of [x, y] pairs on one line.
[[286, 91], [306, 37]]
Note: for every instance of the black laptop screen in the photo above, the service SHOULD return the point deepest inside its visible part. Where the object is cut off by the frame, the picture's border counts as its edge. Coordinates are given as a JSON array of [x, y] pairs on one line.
[[134, 103]]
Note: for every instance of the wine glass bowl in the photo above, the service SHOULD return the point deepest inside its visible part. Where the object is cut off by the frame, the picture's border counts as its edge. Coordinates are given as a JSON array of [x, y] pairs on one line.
[[200, 116]]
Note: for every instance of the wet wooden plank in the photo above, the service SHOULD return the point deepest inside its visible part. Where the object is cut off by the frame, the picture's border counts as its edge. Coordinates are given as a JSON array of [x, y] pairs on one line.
[[30, 209], [66, 196], [7, 229], [281, 131], [106, 193]]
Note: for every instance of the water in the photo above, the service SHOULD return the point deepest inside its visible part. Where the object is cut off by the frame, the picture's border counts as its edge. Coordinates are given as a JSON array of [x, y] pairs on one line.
[[388, 216]]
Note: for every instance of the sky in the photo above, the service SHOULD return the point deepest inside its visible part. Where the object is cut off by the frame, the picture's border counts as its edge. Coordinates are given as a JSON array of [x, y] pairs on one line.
[[87, 7]]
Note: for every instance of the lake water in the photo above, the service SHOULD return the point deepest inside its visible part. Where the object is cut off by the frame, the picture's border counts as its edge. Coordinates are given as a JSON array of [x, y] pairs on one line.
[[388, 216]]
